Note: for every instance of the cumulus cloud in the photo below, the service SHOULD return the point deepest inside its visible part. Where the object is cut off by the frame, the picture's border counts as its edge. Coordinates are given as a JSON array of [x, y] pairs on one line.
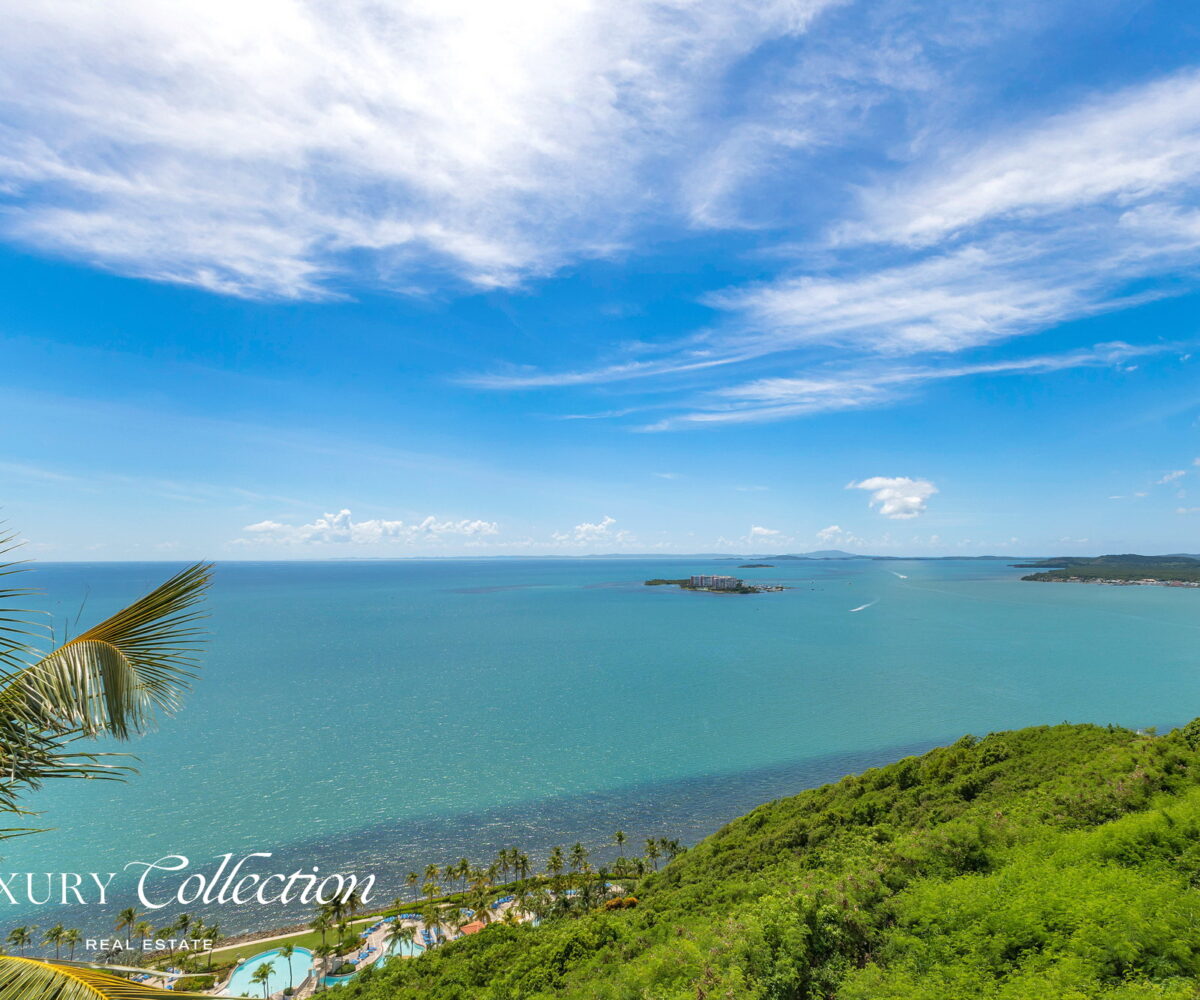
[[590, 532], [898, 497], [342, 528], [757, 531], [250, 149]]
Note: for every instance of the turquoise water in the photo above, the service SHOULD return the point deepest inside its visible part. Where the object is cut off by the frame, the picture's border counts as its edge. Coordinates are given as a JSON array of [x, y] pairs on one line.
[[409, 949], [241, 983], [381, 715]]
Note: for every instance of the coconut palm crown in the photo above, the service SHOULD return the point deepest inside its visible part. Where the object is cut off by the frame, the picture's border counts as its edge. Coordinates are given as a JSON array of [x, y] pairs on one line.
[[114, 679]]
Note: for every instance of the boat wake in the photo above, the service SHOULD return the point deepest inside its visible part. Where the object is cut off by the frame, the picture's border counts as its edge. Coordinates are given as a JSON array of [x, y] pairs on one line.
[[863, 607], [901, 575]]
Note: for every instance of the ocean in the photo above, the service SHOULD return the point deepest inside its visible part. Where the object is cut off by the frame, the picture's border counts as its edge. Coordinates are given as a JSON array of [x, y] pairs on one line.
[[379, 716]]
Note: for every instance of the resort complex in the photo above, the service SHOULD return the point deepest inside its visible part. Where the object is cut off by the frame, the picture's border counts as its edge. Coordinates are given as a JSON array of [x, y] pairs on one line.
[[339, 944], [715, 583]]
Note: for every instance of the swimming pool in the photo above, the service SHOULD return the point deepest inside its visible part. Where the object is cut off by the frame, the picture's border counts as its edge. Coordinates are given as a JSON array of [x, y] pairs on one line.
[[409, 949], [241, 983]]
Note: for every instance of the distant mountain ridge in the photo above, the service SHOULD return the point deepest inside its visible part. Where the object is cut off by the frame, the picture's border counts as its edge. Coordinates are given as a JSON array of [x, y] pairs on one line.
[[820, 554]]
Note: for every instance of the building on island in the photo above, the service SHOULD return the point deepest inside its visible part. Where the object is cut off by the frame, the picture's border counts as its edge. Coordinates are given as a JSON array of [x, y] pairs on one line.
[[716, 583]]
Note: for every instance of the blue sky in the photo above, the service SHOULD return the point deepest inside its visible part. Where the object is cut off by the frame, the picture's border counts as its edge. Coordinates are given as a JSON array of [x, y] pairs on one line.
[[290, 281]]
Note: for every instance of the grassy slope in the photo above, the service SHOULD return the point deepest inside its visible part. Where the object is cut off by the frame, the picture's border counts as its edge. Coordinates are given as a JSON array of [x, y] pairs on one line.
[[1046, 863]]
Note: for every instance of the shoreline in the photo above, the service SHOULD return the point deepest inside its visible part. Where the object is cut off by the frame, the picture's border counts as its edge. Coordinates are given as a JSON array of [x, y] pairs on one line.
[[1107, 582]]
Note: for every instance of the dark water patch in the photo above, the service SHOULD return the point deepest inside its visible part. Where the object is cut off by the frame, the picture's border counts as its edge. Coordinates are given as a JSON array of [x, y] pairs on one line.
[[684, 809]]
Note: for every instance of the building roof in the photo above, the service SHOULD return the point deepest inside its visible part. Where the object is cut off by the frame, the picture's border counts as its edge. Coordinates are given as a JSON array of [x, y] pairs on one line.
[[474, 927]]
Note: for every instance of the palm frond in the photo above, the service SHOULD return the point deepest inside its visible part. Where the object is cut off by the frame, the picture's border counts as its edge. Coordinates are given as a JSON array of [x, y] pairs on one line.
[[32, 979], [17, 625], [114, 677]]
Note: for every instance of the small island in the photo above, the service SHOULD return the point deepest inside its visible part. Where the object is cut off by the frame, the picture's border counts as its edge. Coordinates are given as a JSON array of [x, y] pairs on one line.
[[756, 566], [714, 584], [1118, 570]]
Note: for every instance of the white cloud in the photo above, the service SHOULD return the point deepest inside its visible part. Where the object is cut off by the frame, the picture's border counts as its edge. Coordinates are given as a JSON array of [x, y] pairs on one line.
[[1170, 477], [898, 497], [249, 148], [860, 386], [1187, 510], [342, 528], [834, 535], [589, 532], [757, 531], [1139, 143], [1055, 221]]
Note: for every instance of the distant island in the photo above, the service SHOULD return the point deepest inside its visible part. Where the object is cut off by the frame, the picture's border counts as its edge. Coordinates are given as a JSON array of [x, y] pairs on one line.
[[1128, 570], [756, 566], [713, 584]]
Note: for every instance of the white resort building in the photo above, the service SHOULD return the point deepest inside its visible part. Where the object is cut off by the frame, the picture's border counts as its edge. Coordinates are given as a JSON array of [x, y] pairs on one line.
[[716, 582]]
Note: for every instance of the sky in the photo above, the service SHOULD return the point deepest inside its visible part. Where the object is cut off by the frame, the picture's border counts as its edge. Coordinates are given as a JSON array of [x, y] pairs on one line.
[[291, 280]]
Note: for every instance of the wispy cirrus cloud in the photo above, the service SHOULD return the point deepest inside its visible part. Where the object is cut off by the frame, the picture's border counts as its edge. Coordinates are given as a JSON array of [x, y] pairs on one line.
[[853, 387], [1138, 145], [1074, 214], [250, 149]]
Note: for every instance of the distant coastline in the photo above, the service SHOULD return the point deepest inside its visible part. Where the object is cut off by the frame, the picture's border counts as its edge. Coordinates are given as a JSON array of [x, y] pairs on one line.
[[1127, 570]]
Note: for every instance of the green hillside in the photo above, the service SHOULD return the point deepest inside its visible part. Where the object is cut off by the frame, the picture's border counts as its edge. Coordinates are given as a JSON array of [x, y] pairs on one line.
[[1044, 864], [1179, 569]]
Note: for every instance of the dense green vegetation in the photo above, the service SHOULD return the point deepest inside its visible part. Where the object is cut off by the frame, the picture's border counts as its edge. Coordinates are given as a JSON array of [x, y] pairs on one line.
[[1046, 863], [1166, 569]]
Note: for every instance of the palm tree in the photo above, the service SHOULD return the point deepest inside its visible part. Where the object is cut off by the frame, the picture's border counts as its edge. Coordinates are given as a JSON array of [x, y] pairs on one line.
[[619, 839], [429, 920], [212, 935], [286, 953], [400, 934], [21, 937], [111, 679], [322, 923], [354, 903], [555, 863], [182, 923], [71, 937], [126, 919], [579, 857], [323, 951], [263, 975], [652, 851], [142, 929], [54, 936], [464, 870], [412, 878], [336, 908]]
